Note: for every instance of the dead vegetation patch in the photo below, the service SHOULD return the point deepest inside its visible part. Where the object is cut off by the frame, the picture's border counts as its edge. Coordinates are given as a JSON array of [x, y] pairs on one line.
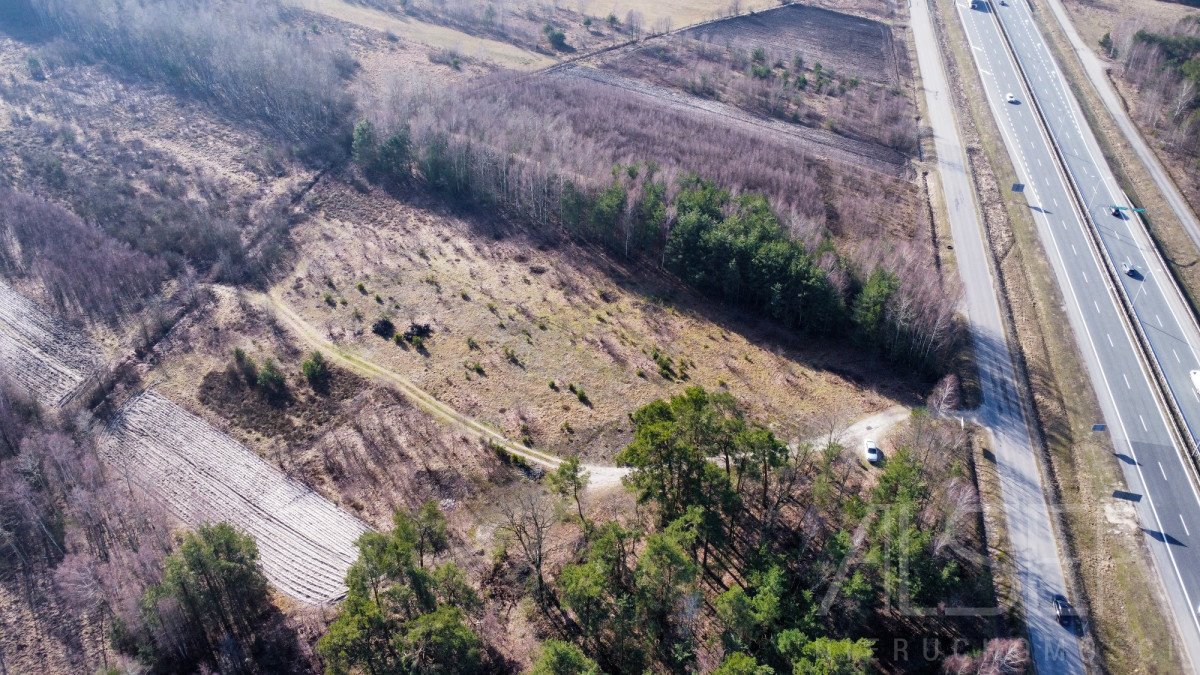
[[516, 348], [292, 417]]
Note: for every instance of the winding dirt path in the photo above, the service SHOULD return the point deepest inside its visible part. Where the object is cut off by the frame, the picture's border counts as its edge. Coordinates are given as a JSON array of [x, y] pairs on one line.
[[602, 477]]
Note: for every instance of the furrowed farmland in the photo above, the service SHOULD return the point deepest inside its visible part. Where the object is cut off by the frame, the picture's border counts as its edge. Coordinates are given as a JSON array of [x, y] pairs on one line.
[[42, 353], [305, 542], [202, 475], [842, 42]]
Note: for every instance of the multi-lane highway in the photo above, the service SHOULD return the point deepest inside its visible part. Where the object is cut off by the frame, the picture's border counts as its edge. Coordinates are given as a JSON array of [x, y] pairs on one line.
[[1153, 462], [1032, 537]]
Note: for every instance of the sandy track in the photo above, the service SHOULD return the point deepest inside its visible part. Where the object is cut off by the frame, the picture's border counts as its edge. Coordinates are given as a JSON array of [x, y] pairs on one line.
[[40, 353], [306, 543]]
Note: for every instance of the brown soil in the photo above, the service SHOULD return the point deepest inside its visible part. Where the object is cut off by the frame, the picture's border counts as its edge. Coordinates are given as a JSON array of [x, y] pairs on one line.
[[849, 44]]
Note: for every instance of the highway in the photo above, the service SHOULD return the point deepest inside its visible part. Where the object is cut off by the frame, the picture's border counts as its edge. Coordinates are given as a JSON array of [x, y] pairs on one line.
[[1095, 69], [1034, 552], [1155, 469]]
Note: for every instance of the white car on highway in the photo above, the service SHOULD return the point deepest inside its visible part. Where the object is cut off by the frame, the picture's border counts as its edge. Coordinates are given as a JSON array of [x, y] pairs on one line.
[[1195, 379], [1010, 98]]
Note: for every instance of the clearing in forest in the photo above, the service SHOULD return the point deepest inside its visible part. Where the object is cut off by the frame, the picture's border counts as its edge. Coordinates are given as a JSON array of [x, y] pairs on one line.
[[678, 12], [306, 544], [820, 143], [40, 353], [431, 35], [840, 42]]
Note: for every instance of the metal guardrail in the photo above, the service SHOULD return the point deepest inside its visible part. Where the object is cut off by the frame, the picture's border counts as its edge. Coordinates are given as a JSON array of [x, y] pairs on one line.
[[1178, 427]]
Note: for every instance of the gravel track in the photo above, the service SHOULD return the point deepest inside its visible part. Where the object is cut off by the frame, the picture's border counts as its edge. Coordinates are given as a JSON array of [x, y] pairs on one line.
[[306, 543], [41, 353]]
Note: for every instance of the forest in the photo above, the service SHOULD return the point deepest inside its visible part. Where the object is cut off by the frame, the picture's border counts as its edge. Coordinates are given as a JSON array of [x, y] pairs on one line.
[[1164, 65], [746, 557]]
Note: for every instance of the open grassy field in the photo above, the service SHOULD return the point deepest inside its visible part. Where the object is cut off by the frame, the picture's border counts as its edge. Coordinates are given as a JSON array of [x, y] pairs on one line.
[[548, 341], [679, 12], [431, 35]]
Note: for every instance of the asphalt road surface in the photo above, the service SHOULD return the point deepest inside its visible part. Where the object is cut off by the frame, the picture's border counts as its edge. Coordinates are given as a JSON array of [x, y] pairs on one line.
[[1158, 477], [1095, 69], [1032, 537]]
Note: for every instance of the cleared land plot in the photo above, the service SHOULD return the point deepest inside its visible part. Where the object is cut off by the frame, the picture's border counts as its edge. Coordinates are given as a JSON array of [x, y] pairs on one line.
[[818, 143], [306, 544], [431, 35], [679, 12], [39, 352], [844, 43]]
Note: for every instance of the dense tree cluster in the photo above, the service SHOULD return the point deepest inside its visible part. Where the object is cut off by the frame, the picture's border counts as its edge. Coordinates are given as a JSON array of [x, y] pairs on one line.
[[752, 554], [403, 613], [735, 249], [1165, 67], [211, 608], [236, 54], [79, 266]]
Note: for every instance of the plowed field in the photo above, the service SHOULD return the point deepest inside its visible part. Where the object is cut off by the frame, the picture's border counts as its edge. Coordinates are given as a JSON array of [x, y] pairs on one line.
[[846, 44], [305, 542], [39, 352]]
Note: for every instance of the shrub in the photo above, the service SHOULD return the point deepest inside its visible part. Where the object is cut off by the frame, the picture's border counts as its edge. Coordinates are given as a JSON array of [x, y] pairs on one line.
[[384, 328], [665, 368], [472, 344], [511, 356], [417, 330], [245, 366], [316, 371], [556, 37], [35, 69], [271, 381]]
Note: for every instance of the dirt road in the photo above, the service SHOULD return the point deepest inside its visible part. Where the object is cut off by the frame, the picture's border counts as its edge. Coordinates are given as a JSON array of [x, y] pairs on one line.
[[602, 477]]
